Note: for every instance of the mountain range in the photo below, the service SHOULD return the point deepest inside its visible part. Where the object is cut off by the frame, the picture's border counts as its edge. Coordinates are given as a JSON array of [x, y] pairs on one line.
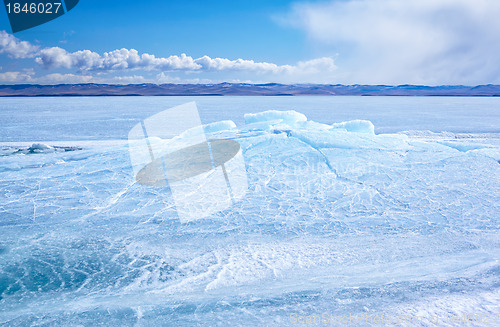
[[226, 89]]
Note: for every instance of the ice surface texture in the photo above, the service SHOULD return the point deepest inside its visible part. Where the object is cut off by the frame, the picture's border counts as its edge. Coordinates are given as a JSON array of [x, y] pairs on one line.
[[337, 219]]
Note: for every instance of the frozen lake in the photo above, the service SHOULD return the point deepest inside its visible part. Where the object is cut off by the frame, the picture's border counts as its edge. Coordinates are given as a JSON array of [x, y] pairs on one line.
[[338, 223], [106, 118]]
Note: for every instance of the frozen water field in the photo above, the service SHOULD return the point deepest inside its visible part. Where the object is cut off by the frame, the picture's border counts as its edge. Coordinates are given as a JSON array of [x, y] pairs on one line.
[[362, 211]]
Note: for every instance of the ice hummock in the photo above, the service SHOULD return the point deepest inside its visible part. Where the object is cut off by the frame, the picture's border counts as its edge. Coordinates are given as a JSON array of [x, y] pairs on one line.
[[337, 219], [358, 126], [225, 125], [40, 147], [290, 118]]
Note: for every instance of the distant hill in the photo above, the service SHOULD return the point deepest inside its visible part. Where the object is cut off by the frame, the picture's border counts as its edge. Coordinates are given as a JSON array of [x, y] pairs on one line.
[[244, 89]]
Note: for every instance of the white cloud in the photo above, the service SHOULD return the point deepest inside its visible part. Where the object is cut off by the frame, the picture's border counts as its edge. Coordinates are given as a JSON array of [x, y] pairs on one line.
[[221, 64], [135, 79], [57, 78], [29, 77], [315, 66], [411, 41], [92, 65], [15, 48], [16, 77], [163, 78], [124, 59]]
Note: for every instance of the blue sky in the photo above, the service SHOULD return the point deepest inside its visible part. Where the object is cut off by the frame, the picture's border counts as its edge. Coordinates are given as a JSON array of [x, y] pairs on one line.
[[344, 41], [216, 28]]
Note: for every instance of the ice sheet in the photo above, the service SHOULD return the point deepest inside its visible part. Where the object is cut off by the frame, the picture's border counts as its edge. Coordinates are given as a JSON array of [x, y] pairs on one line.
[[335, 220]]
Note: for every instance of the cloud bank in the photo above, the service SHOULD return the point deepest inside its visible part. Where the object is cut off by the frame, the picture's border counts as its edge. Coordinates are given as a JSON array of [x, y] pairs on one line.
[[410, 41], [87, 63], [125, 59]]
